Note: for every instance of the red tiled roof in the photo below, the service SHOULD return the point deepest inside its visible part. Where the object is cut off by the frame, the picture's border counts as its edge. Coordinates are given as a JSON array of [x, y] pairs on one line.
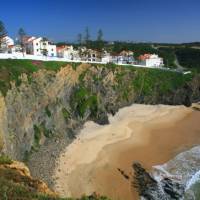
[[11, 46], [144, 57]]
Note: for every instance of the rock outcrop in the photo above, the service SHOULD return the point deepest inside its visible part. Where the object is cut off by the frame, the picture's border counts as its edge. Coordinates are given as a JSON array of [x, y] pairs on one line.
[[17, 183], [150, 189]]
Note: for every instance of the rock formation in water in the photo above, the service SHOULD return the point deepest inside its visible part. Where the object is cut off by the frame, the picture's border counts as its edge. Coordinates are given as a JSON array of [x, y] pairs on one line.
[[151, 189]]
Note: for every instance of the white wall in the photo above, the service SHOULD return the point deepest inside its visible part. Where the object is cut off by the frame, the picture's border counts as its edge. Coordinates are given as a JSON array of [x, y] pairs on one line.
[[38, 45], [154, 62], [8, 41]]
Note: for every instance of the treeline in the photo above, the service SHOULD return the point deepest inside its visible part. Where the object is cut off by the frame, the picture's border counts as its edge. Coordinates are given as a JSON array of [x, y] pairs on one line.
[[85, 39], [188, 57]]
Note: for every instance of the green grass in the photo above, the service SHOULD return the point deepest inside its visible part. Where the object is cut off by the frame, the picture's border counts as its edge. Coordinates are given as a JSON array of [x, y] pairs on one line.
[[189, 58], [5, 160], [10, 70], [66, 114], [148, 80]]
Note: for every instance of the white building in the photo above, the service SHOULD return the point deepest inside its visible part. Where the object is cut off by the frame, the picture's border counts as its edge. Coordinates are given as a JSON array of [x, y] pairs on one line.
[[151, 60], [124, 57], [67, 52], [7, 45], [89, 55], [39, 47], [107, 58]]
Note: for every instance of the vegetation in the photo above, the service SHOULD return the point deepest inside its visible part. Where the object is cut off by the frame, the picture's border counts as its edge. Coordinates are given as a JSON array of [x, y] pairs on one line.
[[82, 100], [66, 114], [39, 130], [37, 136], [14, 185], [10, 70], [5, 160], [46, 132], [3, 33], [168, 56], [189, 57], [22, 34], [147, 81], [47, 111]]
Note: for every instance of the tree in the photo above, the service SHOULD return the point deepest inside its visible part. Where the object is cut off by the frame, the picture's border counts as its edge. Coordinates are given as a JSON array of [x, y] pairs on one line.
[[100, 35], [87, 35], [3, 33], [100, 42], [22, 34], [79, 38]]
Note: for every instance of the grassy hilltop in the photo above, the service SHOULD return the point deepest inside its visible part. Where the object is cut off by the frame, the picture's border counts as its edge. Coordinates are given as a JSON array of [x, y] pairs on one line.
[[11, 70]]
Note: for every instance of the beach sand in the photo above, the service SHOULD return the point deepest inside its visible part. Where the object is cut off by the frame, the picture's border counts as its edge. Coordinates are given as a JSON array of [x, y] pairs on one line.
[[149, 134]]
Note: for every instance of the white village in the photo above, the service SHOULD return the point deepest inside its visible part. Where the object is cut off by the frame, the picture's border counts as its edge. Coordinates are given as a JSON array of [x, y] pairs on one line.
[[40, 48]]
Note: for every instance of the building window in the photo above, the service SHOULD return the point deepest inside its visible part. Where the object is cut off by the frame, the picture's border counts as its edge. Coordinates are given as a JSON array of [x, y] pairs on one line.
[[52, 54], [37, 50], [51, 49], [37, 44], [44, 43]]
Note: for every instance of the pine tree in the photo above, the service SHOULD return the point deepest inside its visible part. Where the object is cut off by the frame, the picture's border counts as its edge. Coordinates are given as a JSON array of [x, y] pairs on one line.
[[100, 35], [87, 35], [22, 34], [100, 42], [79, 38], [3, 33]]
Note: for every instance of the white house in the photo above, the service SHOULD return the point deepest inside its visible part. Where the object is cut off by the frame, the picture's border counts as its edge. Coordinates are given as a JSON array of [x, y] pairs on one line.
[[151, 60], [89, 55], [67, 52], [124, 57], [7, 45], [107, 58], [39, 46]]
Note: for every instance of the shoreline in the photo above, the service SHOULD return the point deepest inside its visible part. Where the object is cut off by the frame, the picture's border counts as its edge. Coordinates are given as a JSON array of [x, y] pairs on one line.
[[94, 141]]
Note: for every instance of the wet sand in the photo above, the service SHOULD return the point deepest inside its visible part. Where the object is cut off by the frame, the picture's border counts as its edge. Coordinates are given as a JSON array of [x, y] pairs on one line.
[[151, 135]]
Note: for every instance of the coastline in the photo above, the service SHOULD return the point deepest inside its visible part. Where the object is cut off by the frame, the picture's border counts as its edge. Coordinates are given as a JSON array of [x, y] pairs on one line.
[[97, 148]]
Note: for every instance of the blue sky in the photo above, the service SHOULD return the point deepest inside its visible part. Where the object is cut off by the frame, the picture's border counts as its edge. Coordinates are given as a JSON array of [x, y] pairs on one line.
[[135, 20]]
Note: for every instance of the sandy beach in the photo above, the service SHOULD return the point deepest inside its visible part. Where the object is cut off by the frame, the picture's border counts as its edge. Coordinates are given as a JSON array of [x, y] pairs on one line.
[[149, 134]]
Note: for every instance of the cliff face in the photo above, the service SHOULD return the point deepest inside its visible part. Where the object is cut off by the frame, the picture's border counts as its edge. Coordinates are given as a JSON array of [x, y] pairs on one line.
[[51, 104]]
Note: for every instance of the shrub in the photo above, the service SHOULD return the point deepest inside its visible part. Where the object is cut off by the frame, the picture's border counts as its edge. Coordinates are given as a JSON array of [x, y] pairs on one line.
[[66, 113], [47, 111], [37, 136], [5, 160], [83, 100]]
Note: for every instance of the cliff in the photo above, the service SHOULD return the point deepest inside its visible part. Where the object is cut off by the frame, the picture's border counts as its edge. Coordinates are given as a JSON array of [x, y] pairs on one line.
[[55, 103]]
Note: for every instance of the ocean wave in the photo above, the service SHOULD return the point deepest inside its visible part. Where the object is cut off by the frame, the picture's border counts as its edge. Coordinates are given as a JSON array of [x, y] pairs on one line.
[[195, 178], [184, 168]]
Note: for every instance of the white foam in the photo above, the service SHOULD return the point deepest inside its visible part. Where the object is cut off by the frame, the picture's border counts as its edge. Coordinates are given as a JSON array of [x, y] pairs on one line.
[[195, 178]]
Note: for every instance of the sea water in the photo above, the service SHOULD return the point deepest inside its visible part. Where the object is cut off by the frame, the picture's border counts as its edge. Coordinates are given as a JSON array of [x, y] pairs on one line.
[[185, 169]]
